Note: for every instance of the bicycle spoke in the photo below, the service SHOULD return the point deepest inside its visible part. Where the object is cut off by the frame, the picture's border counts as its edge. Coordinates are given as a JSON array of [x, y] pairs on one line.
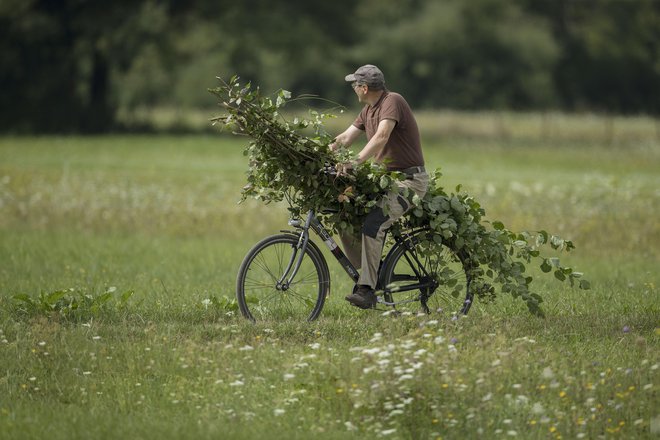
[[437, 267]]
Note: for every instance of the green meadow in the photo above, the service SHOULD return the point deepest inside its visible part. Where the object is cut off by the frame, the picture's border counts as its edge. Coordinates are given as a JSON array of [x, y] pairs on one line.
[[118, 260]]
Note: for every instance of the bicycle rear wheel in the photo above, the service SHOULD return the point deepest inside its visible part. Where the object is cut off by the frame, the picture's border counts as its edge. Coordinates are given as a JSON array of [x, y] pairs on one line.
[[433, 264], [260, 292]]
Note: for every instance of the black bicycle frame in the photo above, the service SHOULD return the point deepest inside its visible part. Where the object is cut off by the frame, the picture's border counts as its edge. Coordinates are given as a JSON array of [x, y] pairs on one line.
[[313, 222]]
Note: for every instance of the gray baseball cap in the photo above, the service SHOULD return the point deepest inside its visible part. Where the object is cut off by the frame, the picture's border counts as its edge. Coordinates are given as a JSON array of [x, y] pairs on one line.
[[368, 74]]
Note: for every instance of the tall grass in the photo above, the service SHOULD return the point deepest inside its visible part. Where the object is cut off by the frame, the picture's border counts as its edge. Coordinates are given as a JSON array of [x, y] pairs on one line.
[[85, 220]]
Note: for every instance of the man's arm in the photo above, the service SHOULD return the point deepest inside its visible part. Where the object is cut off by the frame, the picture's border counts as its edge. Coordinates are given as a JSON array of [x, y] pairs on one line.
[[378, 141], [346, 138]]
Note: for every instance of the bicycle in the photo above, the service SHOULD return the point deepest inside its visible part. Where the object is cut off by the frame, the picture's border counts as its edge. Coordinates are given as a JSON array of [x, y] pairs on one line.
[[285, 276]]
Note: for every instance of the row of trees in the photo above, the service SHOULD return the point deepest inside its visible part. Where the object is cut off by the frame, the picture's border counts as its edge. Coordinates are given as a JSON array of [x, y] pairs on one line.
[[72, 65]]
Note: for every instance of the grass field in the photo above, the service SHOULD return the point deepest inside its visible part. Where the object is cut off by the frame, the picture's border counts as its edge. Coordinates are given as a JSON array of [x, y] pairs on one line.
[[140, 238]]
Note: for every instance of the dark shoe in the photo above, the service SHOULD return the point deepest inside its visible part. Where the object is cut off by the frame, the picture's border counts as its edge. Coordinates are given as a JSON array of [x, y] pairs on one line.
[[362, 297]]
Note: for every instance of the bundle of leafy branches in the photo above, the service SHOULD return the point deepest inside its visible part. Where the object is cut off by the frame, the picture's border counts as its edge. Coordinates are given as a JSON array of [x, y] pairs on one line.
[[288, 160]]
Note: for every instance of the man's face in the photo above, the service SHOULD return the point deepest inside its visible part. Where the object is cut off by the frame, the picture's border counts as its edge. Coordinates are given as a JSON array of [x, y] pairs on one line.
[[360, 90]]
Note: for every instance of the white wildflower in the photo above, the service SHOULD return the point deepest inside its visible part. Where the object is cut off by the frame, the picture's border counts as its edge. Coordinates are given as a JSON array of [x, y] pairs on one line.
[[547, 373], [350, 427]]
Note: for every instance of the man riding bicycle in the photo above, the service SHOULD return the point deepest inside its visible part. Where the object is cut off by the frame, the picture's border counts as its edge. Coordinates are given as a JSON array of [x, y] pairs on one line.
[[392, 139]]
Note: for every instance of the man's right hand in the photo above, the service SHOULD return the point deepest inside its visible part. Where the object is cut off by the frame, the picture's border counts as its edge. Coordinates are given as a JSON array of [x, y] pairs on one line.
[[345, 168]]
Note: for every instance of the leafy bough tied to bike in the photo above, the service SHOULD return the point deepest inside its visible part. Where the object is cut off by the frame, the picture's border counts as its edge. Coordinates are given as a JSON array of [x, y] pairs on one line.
[[287, 159]]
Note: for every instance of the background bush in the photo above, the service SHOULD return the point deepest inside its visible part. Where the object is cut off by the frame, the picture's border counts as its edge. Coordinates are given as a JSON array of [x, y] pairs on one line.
[[80, 65]]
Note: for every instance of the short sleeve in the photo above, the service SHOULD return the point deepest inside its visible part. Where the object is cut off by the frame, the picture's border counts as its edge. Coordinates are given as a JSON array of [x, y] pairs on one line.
[[359, 121], [391, 108]]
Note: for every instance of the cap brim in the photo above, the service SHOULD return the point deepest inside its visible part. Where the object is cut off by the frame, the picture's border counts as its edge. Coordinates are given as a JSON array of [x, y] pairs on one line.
[[350, 78]]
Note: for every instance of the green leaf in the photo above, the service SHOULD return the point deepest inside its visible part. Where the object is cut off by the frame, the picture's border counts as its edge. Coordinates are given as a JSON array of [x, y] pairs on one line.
[[585, 285], [541, 238], [53, 297], [546, 266], [384, 182], [456, 205]]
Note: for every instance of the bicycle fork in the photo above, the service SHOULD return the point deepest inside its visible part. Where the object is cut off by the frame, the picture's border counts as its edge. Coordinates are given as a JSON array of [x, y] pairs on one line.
[[299, 250], [296, 256]]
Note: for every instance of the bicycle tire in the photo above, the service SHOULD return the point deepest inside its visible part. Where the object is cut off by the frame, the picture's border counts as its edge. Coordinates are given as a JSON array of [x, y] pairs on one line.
[[448, 268], [257, 294]]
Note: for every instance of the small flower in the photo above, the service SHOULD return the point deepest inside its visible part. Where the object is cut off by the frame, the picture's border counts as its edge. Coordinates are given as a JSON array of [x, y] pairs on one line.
[[278, 412], [349, 426], [538, 408], [626, 329]]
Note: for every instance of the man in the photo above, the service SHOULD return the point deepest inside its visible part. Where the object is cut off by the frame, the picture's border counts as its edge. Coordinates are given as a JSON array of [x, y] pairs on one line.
[[393, 140]]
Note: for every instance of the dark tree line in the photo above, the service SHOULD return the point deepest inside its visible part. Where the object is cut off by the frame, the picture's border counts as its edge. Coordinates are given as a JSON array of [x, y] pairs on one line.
[[72, 65]]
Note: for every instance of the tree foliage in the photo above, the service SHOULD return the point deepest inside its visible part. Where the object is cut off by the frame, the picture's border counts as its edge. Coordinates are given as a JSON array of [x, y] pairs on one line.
[[72, 65], [287, 161]]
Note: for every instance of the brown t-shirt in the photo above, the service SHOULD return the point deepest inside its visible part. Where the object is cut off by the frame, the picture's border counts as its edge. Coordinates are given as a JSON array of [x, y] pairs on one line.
[[403, 149]]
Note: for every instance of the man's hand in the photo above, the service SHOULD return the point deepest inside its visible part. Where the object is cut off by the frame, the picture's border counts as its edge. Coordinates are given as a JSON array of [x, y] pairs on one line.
[[345, 168], [346, 138], [335, 145]]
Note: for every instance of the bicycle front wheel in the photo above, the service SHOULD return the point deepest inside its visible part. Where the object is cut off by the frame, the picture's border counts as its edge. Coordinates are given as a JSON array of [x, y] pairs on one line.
[[440, 272], [263, 291]]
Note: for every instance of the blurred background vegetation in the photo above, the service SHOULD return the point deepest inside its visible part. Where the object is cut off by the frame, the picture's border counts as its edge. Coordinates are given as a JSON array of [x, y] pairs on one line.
[[94, 66]]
